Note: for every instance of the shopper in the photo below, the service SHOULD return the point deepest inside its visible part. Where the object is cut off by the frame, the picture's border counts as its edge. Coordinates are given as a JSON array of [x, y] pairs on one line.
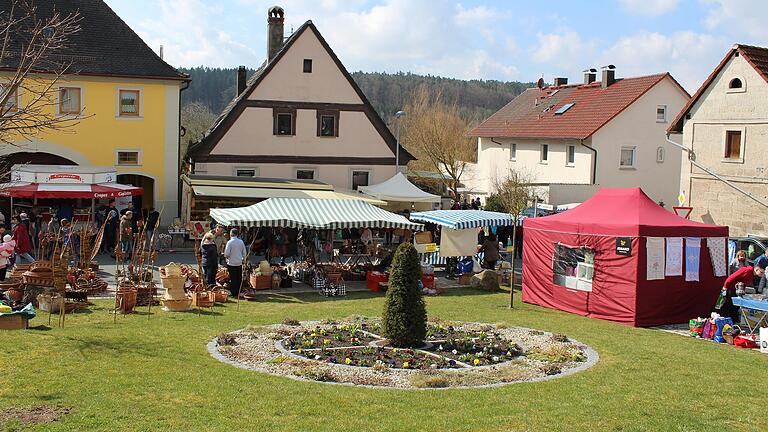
[[6, 251], [153, 217], [110, 230], [490, 250], [739, 261], [220, 239], [235, 253], [210, 258], [21, 237], [126, 234]]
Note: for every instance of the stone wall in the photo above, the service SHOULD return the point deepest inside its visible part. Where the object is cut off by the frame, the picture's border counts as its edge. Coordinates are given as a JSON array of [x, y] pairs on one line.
[[715, 202]]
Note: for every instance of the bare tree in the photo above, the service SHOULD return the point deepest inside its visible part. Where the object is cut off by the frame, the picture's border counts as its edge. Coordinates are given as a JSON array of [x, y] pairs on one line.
[[437, 135], [514, 192], [196, 118], [34, 60]]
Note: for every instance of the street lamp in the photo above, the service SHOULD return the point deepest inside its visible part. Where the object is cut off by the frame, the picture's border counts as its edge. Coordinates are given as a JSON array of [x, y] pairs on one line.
[[397, 152]]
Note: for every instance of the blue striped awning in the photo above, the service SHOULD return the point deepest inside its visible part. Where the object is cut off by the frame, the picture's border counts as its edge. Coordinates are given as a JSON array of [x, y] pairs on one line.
[[462, 219], [312, 214]]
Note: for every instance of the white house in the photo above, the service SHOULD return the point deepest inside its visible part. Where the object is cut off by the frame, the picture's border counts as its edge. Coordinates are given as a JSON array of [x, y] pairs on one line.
[[571, 139], [725, 125], [300, 117]]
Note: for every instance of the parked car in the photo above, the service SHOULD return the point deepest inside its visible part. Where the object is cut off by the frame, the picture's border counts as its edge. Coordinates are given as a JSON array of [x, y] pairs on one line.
[[529, 212], [753, 245]]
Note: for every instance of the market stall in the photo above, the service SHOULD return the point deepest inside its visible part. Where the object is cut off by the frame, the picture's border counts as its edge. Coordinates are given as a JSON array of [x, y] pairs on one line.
[[619, 256], [398, 190], [312, 226], [45, 186]]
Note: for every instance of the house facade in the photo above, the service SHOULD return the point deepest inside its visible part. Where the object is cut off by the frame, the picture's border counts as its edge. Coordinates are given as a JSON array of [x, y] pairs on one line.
[[301, 117], [124, 99], [725, 125], [569, 140]]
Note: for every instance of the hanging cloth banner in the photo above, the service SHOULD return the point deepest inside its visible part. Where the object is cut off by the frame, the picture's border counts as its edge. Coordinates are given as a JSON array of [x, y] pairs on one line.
[[461, 242], [654, 249], [674, 256], [692, 258], [717, 253]]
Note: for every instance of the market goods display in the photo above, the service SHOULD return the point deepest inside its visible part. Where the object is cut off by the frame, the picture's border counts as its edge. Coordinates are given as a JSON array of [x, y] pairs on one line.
[[175, 299], [454, 354]]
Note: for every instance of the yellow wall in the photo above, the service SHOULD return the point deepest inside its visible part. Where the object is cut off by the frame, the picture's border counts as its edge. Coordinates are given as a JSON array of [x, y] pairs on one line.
[[101, 132]]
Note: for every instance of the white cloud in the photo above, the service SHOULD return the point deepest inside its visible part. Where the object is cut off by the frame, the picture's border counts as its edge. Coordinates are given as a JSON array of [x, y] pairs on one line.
[[689, 56], [649, 7], [565, 49], [743, 17]]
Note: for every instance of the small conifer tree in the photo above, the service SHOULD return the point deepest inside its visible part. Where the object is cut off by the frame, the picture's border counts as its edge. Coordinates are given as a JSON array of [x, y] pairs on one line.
[[404, 322]]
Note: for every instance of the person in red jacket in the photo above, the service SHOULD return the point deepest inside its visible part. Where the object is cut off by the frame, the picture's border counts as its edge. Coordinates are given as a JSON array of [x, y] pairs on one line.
[[746, 275], [21, 237]]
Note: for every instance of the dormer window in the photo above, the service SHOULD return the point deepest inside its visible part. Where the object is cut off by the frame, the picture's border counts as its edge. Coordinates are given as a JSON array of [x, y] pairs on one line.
[[737, 85]]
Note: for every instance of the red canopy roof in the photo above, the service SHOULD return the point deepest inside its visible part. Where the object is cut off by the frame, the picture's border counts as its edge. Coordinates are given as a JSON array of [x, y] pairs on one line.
[[68, 190], [624, 212]]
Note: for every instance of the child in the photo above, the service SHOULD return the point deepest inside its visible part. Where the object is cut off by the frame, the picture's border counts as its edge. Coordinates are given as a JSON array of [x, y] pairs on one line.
[[6, 250]]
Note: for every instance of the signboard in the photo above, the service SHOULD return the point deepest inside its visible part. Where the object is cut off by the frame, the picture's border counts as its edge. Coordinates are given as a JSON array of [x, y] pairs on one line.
[[624, 246], [64, 177], [430, 247], [683, 212], [681, 198]]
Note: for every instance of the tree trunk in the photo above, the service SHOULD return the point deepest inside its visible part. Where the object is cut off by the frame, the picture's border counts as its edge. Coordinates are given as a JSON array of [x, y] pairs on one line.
[[512, 276]]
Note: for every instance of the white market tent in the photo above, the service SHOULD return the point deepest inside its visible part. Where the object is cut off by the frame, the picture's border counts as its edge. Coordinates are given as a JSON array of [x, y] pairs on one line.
[[398, 188], [312, 214], [463, 219]]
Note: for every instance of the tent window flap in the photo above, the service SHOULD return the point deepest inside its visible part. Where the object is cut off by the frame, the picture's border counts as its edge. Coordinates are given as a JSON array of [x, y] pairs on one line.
[[573, 267]]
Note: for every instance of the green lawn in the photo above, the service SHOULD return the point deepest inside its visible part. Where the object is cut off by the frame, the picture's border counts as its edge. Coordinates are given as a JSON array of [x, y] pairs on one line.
[[154, 373]]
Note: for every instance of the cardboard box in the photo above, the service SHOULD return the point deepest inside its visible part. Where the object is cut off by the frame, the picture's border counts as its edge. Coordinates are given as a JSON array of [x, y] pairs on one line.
[[13, 322]]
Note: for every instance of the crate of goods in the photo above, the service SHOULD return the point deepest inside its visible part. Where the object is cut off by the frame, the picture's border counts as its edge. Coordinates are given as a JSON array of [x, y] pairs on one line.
[[13, 322], [261, 282], [428, 281], [373, 278]]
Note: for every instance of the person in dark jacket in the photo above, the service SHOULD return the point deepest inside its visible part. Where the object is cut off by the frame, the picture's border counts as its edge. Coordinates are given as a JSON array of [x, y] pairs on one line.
[[210, 258]]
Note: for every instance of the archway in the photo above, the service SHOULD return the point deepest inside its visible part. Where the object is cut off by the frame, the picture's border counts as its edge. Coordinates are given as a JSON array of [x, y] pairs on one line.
[[145, 201], [30, 158]]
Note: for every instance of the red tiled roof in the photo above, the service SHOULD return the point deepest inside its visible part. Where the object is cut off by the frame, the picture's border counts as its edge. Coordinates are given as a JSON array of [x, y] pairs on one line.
[[593, 107], [755, 56]]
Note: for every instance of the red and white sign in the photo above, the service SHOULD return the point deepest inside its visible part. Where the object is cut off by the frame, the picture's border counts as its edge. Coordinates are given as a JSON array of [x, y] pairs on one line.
[[64, 176], [54, 190], [683, 212]]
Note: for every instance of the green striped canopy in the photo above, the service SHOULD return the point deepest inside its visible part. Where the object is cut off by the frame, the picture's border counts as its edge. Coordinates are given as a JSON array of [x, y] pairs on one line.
[[312, 213]]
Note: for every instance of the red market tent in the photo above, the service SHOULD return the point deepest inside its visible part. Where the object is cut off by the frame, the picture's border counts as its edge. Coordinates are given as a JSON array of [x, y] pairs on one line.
[[618, 289], [68, 190]]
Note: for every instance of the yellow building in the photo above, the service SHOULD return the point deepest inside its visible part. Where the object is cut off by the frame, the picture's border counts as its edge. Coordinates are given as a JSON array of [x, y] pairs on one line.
[[127, 101]]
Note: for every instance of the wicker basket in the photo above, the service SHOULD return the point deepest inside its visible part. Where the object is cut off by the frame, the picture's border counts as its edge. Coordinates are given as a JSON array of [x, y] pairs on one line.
[[221, 295], [203, 298], [125, 300], [177, 305], [173, 282]]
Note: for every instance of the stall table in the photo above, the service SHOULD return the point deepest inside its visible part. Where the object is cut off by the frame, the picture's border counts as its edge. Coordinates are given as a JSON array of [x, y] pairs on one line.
[[759, 306]]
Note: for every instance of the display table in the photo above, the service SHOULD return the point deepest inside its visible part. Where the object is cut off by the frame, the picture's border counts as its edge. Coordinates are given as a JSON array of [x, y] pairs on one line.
[[755, 304], [181, 232]]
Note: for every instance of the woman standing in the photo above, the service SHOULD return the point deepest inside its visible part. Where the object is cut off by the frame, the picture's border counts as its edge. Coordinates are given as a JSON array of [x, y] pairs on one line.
[[21, 237], [210, 258], [739, 261], [490, 250]]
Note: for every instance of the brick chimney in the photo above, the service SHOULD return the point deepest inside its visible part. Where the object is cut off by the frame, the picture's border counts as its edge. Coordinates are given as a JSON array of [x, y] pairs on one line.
[[275, 22], [609, 76], [241, 79], [560, 81], [590, 75]]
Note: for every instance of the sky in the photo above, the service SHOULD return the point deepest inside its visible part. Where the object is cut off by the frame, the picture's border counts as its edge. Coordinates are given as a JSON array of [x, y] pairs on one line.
[[473, 39]]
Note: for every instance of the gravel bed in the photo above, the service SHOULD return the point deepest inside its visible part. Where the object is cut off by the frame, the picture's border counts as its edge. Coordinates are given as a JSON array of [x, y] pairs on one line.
[[261, 349]]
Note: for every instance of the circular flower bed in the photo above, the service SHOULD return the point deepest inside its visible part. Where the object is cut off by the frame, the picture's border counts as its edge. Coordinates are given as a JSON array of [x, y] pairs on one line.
[[453, 355]]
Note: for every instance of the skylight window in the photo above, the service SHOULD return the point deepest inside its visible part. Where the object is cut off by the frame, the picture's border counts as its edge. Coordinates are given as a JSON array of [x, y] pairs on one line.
[[564, 108]]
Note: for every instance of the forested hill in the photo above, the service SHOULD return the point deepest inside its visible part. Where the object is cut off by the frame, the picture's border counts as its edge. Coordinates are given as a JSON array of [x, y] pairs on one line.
[[477, 99]]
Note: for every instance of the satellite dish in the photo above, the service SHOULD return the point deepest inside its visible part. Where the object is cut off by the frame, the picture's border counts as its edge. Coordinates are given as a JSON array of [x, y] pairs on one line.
[[540, 83]]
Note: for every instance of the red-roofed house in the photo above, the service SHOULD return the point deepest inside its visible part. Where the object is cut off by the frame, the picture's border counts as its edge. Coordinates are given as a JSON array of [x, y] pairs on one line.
[[725, 124], [573, 138]]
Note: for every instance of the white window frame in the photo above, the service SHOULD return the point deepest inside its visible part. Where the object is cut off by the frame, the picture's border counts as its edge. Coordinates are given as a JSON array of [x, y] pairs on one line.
[[742, 143], [567, 154], [541, 154], [660, 154], [237, 168], [313, 169], [634, 157], [742, 89], [139, 157], [513, 152], [661, 120], [18, 101], [352, 172], [140, 114]]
